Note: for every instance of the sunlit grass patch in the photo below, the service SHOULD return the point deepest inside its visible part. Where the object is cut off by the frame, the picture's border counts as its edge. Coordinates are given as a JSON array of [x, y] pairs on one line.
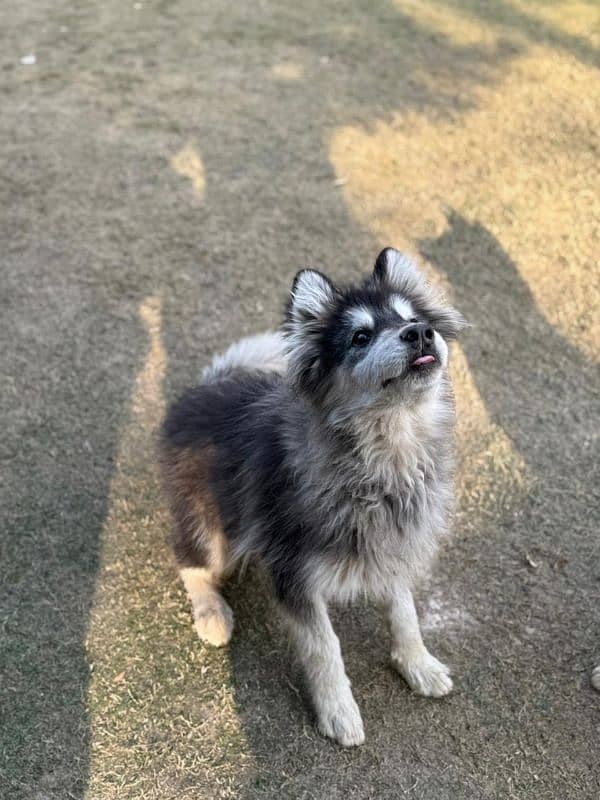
[[161, 705], [188, 163]]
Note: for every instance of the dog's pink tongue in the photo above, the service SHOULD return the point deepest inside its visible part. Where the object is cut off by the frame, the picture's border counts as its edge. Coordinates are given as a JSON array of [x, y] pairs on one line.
[[423, 360]]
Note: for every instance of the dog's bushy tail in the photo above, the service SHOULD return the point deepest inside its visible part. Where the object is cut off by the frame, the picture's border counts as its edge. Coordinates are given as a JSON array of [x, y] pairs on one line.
[[264, 352]]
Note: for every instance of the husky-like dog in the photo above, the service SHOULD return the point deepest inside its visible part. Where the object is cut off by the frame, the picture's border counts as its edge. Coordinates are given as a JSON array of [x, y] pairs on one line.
[[324, 452]]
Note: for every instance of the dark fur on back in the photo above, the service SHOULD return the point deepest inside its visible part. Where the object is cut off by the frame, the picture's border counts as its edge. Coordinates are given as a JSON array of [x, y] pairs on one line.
[[252, 476]]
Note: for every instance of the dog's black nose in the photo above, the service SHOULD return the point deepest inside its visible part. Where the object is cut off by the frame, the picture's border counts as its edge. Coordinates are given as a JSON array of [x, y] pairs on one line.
[[418, 333]]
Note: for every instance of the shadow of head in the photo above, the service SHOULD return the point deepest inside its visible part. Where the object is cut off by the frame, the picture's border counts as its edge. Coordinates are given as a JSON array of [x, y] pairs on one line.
[[535, 383]]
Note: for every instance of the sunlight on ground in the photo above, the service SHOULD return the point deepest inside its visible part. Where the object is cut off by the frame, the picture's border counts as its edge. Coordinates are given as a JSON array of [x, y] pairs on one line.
[[147, 403], [188, 163], [288, 71], [152, 683], [492, 475]]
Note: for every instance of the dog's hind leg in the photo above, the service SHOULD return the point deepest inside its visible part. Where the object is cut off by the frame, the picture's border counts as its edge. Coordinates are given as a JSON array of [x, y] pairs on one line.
[[213, 618], [422, 671], [199, 541]]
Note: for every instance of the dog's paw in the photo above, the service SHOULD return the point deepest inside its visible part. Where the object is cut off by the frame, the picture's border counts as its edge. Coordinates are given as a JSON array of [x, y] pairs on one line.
[[424, 674], [342, 722], [214, 622], [596, 678]]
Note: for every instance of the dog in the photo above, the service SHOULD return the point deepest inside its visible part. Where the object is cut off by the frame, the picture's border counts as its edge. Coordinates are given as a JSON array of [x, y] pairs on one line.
[[325, 452]]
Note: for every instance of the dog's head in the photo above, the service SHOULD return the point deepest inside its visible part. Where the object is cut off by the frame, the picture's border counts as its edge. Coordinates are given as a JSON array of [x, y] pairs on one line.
[[379, 343]]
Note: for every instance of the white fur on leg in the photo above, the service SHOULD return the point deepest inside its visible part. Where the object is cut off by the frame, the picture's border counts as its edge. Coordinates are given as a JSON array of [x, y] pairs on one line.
[[318, 649], [423, 673], [341, 721], [213, 619], [596, 678]]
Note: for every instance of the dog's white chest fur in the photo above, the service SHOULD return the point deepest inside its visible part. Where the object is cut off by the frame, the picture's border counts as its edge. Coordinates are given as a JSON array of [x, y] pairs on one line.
[[387, 508]]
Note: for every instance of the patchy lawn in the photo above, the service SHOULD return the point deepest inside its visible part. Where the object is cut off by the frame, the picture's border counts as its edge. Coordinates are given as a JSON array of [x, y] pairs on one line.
[[167, 167]]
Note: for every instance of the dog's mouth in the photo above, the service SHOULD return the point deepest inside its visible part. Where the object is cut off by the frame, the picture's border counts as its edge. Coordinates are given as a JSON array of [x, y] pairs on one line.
[[421, 365], [423, 361]]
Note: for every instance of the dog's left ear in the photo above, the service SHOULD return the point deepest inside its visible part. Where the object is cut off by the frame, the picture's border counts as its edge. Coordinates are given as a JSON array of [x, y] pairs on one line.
[[400, 273], [396, 269]]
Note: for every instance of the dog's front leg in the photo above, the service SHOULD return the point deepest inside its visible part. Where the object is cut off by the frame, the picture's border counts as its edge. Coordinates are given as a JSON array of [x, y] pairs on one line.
[[423, 673], [318, 649]]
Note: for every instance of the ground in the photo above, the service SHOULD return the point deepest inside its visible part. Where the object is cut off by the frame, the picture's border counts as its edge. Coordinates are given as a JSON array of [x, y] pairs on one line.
[[167, 167]]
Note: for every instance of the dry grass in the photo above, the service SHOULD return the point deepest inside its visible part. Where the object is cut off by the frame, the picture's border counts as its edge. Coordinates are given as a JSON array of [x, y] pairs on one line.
[[167, 169]]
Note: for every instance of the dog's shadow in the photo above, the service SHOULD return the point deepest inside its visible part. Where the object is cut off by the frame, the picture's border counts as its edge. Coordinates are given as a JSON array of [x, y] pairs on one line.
[[536, 385]]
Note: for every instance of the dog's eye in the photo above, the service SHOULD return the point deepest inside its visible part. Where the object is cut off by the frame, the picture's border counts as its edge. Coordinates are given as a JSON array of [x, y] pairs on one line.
[[361, 338]]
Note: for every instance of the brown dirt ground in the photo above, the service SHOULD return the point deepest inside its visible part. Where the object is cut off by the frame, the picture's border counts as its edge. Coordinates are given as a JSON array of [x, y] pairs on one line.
[[167, 166]]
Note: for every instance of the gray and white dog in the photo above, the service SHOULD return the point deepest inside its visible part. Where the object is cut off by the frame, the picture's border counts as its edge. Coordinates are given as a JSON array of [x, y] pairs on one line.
[[324, 452]]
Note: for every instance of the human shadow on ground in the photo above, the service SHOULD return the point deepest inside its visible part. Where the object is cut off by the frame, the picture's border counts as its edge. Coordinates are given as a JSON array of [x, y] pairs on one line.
[[538, 387]]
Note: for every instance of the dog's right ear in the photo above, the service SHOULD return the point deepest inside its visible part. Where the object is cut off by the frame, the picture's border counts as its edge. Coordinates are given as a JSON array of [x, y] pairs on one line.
[[313, 294], [396, 269]]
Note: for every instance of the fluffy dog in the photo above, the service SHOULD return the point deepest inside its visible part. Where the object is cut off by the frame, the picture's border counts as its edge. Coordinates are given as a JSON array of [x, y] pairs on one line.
[[324, 452]]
